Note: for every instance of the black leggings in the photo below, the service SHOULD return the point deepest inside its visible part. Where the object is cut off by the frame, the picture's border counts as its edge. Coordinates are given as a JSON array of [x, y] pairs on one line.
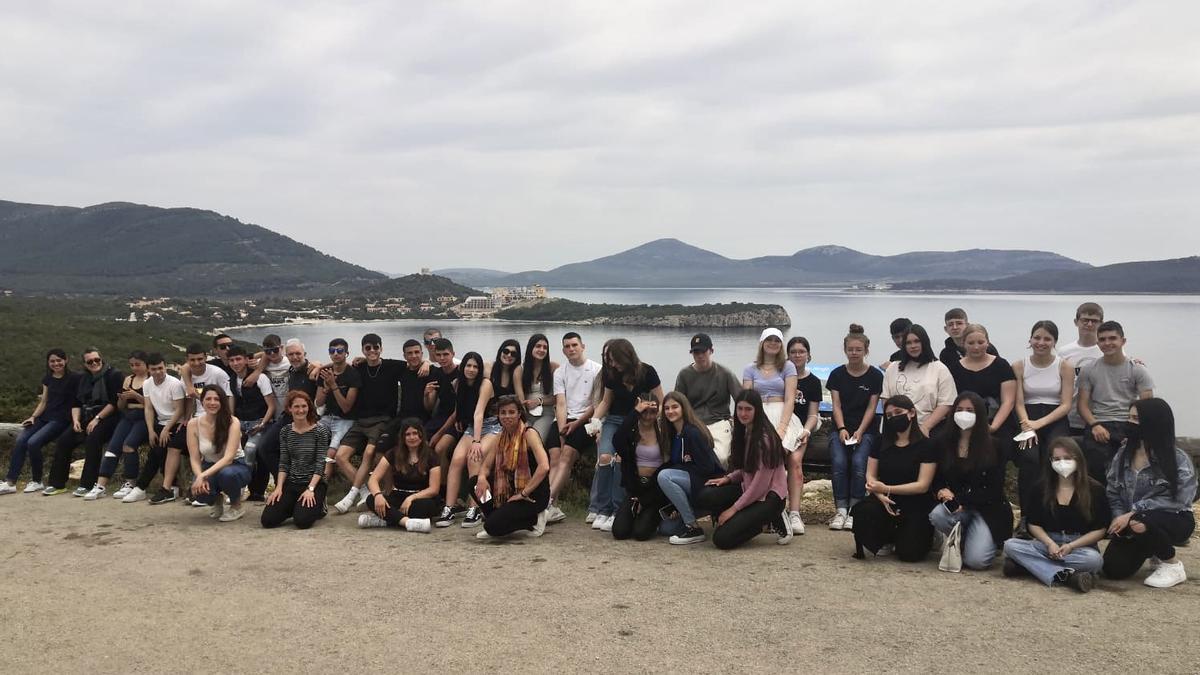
[[512, 516], [640, 523], [266, 457], [420, 508], [1164, 529], [743, 525], [94, 445], [289, 506], [1099, 455], [910, 533]]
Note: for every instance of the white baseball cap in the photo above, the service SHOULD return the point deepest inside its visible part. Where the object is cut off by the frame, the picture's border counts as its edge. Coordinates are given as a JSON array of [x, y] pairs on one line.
[[770, 332]]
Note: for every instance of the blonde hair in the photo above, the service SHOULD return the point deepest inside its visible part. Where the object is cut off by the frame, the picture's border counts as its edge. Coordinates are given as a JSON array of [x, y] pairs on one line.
[[780, 359], [975, 328]]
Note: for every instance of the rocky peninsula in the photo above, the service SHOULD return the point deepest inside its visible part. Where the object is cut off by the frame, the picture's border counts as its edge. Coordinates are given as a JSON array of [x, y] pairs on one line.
[[721, 315]]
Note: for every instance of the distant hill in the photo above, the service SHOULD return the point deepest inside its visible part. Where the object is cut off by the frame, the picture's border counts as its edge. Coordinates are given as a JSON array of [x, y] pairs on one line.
[[130, 249], [1178, 275], [474, 276], [670, 263], [416, 287]]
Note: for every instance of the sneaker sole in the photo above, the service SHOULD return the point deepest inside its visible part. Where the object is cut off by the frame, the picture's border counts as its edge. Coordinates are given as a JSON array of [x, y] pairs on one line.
[[467, 524], [685, 542]]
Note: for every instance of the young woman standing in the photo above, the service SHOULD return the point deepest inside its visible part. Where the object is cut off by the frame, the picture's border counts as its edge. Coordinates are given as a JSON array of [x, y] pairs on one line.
[[214, 440], [807, 401], [49, 420], [300, 487], [405, 483], [511, 487], [854, 389]]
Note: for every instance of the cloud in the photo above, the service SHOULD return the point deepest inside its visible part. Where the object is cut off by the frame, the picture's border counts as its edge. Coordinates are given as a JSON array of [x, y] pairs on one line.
[[525, 135]]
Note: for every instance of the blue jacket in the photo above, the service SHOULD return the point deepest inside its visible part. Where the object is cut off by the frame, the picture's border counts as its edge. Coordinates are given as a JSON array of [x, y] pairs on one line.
[[693, 452]]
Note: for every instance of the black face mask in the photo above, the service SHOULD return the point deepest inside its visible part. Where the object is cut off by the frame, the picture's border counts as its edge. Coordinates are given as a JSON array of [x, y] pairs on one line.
[[1133, 435], [897, 423]]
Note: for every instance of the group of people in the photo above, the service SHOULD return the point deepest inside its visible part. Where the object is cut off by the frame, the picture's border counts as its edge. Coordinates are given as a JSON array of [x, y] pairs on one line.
[[440, 440]]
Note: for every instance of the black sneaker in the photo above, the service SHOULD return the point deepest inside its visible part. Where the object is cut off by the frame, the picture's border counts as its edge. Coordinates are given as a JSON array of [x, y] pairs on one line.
[[446, 519], [691, 535], [256, 498], [163, 496], [473, 518], [1080, 581], [1012, 569]]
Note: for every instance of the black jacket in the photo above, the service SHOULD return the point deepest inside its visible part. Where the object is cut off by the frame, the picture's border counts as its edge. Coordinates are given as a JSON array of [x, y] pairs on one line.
[[980, 489]]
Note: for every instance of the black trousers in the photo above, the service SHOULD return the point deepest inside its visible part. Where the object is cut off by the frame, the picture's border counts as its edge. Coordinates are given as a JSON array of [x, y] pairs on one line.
[[1125, 555], [1099, 455], [420, 508], [289, 506], [156, 458], [910, 533], [509, 517], [94, 445], [743, 525], [266, 461]]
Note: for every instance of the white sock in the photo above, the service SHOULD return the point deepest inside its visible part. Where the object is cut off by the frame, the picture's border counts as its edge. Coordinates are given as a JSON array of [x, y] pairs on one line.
[[842, 511]]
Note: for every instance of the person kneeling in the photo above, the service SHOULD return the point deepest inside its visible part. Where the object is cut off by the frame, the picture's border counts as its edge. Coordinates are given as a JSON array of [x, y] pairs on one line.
[[517, 495], [214, 441], [299, 488], [757, 459], [1067, 517], [404, 485], [639, 445]]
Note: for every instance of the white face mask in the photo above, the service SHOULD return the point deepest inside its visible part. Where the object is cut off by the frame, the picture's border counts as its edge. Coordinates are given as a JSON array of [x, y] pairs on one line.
[[1063, 467], [964, 419]]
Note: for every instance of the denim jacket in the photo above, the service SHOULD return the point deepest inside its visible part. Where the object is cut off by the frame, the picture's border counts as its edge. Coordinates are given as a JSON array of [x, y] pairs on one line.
[[1147, 490]]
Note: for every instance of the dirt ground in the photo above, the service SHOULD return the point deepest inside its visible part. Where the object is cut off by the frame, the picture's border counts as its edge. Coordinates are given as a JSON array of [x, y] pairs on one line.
[[108, 587]]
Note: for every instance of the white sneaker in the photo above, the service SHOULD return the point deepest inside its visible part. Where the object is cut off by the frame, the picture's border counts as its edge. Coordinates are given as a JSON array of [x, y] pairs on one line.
[[555, 514], [7, 488], [795, 522], [591, 517], [231, 514], [216, 510], [33, 486], [598, 521], [372, 520], [363, 495], [1167, 575], [124, 490], [137, 494], [418, 525], [849, 523], [347, 502], [608, 523], [196, 503], [482, 534], [95, 493], [839, 520], [539, 528]]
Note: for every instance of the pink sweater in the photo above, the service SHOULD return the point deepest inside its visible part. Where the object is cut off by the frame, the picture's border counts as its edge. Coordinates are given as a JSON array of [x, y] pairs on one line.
[[755, 486]]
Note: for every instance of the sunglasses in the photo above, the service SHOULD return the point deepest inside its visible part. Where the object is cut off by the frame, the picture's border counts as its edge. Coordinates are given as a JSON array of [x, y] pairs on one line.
[[270, 350], [225, 345], [509, 352], [93, 362], [428, 343], [337, 350], [372, 348]]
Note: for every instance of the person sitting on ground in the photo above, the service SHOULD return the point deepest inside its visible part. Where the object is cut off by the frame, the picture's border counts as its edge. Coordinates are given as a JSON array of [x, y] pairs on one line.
[[691, 463], [751, 496], [1066, 520], [480, 432], [854, 389], [51, 417], [166, 423], [94, 417], [129, 434], [300, 488], [196, 374], [638, 445], [1107, 389], [511, 487], [404, 485], [970, 485], [900, 473], [1151, 488], [215, 450], [923, 379]]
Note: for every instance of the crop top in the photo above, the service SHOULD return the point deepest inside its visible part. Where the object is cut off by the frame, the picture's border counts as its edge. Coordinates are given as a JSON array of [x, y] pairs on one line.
[[769, 385], [648, 456]]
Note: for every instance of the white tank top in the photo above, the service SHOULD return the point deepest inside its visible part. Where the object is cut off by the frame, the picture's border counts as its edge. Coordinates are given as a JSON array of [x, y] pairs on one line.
[[210, 453], [1043, 385]]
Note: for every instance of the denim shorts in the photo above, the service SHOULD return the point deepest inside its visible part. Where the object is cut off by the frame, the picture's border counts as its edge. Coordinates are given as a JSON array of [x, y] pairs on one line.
[[491, 426], [337, 428]]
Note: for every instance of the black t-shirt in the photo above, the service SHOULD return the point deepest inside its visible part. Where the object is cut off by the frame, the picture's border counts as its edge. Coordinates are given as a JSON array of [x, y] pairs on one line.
[[1068, 518], [854, 393], [445, 396], [808, 390], [350, 378], [298, 380], [624, 398], [406, 477], [60, 397], [900, 465], [378, 396], [986, 383], [412, 393], [952, 352]]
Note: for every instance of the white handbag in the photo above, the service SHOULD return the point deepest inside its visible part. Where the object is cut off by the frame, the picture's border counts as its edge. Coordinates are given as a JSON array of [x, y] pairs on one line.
[[952, 551]]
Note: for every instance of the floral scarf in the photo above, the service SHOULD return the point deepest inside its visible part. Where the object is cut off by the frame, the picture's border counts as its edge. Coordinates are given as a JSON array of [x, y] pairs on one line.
[[512, 457]]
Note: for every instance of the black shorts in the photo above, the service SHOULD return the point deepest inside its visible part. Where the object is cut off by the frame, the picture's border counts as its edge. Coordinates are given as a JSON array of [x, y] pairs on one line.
[[578, 439], [365, 431], [177, 440], [432, 426]]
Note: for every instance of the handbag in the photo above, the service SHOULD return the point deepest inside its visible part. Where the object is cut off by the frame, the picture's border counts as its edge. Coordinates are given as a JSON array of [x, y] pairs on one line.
[[952, 551]]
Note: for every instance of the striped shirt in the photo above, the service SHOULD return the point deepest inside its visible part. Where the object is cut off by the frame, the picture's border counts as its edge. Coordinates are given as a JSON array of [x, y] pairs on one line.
[[302, 455]]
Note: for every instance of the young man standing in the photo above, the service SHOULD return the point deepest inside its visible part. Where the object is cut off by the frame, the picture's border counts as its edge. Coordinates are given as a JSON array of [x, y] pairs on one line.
[[1082, 353], [573, 408], [166, 418], [378, 400], [196, 375], [414, 376], [710, 387], [1107, 389], [956, 323]]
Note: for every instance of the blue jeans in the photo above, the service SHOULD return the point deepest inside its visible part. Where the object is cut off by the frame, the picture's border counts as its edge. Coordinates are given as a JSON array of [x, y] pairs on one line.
[[978, 549], [250, 443], [1032, 555], [676, 484], [31, 441], [850, 489], [229, 480], [130, 433], [607, 493]]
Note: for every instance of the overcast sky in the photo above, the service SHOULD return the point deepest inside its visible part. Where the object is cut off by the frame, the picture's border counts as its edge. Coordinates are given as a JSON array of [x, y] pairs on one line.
[[518, 135]]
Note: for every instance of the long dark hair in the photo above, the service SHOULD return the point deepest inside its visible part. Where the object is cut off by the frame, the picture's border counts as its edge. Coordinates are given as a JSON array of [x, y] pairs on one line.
[[625, 358], [544, 375], [1081, 481], [60, 353], [224, 418], [1157, 424], [980, 451], [759, 446], [926, 356], [914, 429], [498, 365], [426, 457], [465, 391]]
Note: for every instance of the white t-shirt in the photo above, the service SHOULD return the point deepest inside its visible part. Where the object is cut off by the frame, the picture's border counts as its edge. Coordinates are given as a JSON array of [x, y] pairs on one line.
[[929, 385], [163, 396], [1079, 357], [211, 375], [277, 374], [575, 383]]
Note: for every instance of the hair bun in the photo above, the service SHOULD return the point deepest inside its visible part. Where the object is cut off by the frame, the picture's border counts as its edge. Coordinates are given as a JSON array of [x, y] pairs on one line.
[[855, 328]]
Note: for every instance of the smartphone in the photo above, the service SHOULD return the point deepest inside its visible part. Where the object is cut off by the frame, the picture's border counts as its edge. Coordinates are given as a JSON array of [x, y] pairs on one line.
[[951, 506], [487, 497]]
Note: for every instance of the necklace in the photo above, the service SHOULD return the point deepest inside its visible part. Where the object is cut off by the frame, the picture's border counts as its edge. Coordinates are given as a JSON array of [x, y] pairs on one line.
[[375, 374]]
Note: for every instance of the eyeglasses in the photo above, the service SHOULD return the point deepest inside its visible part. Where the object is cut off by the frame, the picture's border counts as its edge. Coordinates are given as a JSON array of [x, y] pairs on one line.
[[93, 362], [270, 350], [1088, 320], [509, 352], [372, 348], [224, 345], [337, 350]]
